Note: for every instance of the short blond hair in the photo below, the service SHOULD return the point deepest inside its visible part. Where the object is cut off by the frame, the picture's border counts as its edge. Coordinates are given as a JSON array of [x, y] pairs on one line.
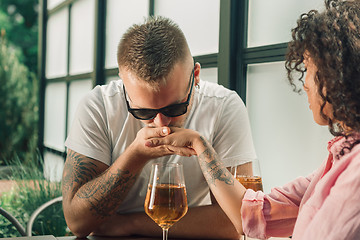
[[151, 50]]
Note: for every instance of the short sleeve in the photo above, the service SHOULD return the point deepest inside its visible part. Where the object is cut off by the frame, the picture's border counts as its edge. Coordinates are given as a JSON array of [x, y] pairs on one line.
[[88, 134], [232, 138]]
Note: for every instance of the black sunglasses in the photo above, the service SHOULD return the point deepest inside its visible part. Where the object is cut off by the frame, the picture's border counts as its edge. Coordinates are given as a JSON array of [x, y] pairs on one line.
[[173, 110]]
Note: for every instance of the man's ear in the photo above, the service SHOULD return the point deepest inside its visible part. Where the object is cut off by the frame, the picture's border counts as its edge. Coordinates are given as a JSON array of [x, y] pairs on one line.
[[197, 68]]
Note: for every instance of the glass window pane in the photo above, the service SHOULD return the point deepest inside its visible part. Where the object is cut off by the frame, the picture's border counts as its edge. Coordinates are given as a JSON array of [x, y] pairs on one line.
[[287, 140], [199, 20], [55, 107], [82, 36], [56, 44], [209, 74], [120, 15], [77, 91], [53, 3], [270, 22], [53, 166]]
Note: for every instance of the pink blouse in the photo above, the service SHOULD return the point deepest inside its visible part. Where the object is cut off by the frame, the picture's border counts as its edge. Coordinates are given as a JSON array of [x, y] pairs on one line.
[[324, 205]]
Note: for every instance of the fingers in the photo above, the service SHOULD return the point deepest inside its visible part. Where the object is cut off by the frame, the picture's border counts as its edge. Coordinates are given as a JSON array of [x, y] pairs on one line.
[[176, 137], [182, 151], [159, 141], [165, 131], [170, 147], [167, 141], [156, 132], [154, 142], [171, 150]]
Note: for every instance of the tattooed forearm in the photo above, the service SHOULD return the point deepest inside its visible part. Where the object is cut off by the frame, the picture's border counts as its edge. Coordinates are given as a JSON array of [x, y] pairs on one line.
[[77, 171], [107, 193], [104, 191], [212, 167]]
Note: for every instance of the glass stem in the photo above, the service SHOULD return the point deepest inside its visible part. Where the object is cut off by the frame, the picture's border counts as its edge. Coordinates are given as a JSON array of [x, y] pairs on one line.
[[165, 233]]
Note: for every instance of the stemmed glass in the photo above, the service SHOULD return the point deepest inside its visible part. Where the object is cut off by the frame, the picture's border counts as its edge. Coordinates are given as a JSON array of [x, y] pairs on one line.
[[166, 201], [253, 181]]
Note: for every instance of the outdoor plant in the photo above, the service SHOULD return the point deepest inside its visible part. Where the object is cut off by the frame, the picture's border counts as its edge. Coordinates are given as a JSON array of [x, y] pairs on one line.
[[32, 190], [18, 106]]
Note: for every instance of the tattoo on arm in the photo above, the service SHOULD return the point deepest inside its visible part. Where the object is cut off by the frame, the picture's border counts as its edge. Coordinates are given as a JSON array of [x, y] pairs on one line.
[[77, 171], [103, 191], [212, 167], [108, 192]]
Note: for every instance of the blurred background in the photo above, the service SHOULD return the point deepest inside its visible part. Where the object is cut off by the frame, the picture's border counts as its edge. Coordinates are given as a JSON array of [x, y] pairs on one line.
[[54, 51], [19, 83]]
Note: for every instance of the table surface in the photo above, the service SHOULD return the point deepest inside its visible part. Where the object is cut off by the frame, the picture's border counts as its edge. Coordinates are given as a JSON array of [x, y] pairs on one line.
[[50, 237], [142, 238]]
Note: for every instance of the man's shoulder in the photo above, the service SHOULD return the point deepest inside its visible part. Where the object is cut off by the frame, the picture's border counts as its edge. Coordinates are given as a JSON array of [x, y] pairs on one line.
[[106, 93], [101, 99], [214, 92], [211, 89], [109, 90]]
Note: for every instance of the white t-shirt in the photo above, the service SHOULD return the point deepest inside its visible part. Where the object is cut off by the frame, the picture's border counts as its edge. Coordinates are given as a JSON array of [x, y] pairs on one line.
[[103, 129]]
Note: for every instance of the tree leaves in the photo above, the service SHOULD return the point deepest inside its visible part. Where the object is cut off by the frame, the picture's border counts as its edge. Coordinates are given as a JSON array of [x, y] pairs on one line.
[[18, 106]]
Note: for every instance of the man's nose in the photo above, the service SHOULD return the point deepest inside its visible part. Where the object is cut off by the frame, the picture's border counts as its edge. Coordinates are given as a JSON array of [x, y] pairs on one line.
[[161, 120]]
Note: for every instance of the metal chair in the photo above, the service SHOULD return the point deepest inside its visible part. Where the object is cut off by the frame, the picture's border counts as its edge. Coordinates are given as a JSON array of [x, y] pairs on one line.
[[33, 216], [14, 221], [28, 231]]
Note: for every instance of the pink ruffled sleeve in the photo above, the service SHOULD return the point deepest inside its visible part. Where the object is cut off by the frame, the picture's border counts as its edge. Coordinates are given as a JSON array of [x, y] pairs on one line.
[[274, 214]]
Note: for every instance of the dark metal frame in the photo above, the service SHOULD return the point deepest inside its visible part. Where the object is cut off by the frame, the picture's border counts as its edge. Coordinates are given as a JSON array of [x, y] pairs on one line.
[[240, 56], [41, 71], [20, 228], [97, 75]]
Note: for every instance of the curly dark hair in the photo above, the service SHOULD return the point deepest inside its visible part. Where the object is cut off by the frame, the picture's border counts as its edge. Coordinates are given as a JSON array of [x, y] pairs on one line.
[[332, 38]]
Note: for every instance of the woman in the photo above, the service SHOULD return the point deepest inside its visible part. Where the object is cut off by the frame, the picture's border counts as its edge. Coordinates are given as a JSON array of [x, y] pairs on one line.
[[326, 204]]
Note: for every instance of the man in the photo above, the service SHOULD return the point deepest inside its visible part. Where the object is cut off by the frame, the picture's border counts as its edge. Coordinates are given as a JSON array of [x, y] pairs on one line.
[[108, 163]]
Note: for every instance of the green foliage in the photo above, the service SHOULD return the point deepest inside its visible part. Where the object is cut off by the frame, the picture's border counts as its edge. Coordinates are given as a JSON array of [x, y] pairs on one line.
[[8, 201], [20, 20], [5, 22], [31, 192], [18, 107]]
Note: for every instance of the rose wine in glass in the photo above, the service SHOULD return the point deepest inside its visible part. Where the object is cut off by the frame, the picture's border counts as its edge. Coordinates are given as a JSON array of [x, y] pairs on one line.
[[253, 181], [166, 201]]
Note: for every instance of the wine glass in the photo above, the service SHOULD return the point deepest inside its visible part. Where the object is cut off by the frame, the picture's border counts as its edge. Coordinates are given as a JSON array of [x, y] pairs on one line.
[[166, 201], [253, 181]]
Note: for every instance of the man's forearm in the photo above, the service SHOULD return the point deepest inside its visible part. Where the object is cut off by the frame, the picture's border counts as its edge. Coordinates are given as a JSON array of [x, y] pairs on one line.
[[98, 199], [88, 202], [107, 192], [208, 222]]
